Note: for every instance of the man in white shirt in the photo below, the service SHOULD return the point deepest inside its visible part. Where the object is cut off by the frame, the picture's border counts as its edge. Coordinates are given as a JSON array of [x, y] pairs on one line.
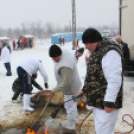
[[25, 70], [77, 53], [6, 58], [104, 80], [68, 81]]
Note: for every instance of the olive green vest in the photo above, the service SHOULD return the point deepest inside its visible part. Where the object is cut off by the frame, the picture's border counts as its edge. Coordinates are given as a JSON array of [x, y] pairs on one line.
[[95, 83]]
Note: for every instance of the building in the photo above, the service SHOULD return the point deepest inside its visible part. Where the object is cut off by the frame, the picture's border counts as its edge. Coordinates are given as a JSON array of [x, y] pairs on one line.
[[27, 37], [127, 23]]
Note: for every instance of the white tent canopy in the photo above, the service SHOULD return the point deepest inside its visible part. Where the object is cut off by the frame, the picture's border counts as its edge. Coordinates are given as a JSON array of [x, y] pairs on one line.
[[4, 38]]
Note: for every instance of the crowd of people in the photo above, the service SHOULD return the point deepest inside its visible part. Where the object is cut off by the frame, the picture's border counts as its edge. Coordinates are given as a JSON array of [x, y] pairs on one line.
[[103, 84], [62, 41], [21, 44]]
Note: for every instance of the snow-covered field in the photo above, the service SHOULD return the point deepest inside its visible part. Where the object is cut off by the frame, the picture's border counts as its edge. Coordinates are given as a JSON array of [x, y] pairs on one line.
[[40, 51]]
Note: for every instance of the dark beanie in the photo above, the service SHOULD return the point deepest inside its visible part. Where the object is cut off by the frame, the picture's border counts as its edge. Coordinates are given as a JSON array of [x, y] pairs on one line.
[[91, 35], [55, 51], [81, 50]]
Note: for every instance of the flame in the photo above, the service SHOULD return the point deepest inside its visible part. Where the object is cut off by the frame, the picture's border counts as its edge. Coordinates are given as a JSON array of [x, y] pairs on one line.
[[82, 105], [29, 131], [46, 130]]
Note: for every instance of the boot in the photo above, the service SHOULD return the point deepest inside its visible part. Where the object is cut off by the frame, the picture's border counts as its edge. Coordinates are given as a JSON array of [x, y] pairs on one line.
[[71, 122], [26, 103]]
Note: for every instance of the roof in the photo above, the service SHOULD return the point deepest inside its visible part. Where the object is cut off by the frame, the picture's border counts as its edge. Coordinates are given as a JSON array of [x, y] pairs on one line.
[[27, 36], [4, 38]]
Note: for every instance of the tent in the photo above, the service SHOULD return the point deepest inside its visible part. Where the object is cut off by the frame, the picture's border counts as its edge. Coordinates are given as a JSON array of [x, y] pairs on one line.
[[27, 37], [2, 39]]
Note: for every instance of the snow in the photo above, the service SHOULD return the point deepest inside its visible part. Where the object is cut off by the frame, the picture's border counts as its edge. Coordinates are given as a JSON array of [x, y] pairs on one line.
[[40, 51], [28, 35]]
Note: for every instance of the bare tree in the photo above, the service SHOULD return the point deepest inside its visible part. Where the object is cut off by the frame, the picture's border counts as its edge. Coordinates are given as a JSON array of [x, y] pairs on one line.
[[10, 33]]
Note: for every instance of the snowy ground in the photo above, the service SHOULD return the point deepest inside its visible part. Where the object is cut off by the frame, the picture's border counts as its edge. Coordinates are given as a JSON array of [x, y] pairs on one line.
[[40, 51]]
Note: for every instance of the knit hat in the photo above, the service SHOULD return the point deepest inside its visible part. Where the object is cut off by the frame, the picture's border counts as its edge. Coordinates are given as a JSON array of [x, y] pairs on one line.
[[55, 51], [91, 35], [81, 50]]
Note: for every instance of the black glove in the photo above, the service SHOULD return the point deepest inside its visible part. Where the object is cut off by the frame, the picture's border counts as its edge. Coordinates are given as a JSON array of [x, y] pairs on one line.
[[46, 85]]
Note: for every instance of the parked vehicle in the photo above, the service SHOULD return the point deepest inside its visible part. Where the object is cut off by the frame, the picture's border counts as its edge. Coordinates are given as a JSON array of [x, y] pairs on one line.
[[105, 33]]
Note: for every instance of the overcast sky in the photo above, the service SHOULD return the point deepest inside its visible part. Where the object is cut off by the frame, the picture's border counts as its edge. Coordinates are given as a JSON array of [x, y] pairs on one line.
[[88, 12]]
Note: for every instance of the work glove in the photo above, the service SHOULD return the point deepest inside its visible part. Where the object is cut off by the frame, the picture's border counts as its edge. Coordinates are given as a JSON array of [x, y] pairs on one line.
[[46, 85]]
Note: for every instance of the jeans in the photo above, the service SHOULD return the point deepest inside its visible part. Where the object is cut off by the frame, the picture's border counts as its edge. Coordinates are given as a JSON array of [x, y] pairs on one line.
[[8, 68], [25, 80]]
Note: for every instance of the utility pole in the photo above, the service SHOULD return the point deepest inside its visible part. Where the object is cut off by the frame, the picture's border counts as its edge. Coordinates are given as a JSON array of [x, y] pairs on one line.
[[74, 40], [70, 25]]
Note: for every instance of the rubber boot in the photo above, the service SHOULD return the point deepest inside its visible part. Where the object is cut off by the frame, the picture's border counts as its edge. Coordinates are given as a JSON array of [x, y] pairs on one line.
[[71, 122], [26, 103]]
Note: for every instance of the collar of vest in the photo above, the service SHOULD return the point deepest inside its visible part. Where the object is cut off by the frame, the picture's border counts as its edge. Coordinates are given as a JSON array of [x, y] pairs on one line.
[[106, 41]]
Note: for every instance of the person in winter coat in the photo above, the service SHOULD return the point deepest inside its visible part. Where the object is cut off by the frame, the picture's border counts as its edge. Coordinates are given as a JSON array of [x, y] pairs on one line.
[[18, 43], [22, 44], [30, 43], [68, 81], [25, 70], [6, 58], [14, 45], [125, 51], [77, 45], [63, 40], [25, 43], [104, 80], [77, 53], [0, 47], [17, 87]]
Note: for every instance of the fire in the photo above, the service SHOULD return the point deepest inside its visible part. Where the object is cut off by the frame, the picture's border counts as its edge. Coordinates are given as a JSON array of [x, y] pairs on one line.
[[46, 130], [29, 131], [41, 130], [82, 105]]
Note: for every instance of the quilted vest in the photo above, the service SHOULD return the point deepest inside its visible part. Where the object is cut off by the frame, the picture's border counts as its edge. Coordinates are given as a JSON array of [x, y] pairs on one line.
[[95, 83]]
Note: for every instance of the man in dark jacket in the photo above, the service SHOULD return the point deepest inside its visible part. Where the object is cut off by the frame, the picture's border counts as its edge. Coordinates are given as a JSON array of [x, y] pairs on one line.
[[125, 51], [18, 90], [18, 43], [103, 81]]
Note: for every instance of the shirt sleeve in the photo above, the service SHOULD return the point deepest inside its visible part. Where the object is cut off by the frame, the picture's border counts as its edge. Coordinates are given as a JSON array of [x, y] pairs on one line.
[[112, 69], [43, 72], [36, 85], [66, 74]]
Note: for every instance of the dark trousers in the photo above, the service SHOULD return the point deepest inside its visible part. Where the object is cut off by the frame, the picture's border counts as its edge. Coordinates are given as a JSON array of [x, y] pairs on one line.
[[13, 47], [18, 47], [8, 68], [25, 80], [17, 91]]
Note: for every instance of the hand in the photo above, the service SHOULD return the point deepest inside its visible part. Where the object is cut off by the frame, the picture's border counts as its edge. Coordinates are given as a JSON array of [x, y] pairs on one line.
[[46, 85], [81, 92], [108, 110]]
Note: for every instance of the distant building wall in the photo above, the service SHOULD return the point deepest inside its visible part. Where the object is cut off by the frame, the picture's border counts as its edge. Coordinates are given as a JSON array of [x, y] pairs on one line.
[[67, 36], [127, 24]]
